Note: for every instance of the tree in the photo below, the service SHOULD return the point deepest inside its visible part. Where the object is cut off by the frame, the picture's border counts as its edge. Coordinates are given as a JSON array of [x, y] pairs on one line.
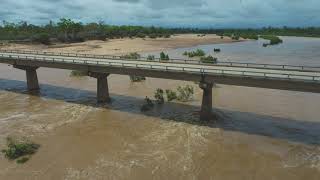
[[65, 25]]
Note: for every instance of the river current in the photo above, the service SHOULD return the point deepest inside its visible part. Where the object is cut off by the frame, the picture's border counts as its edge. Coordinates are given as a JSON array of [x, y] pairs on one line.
[[259, 133]]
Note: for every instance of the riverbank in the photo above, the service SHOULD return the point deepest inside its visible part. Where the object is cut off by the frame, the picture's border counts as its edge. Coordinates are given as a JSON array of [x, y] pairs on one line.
[[126, 45]]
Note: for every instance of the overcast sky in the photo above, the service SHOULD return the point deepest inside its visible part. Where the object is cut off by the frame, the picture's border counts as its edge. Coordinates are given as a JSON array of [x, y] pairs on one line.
[[173, 13]]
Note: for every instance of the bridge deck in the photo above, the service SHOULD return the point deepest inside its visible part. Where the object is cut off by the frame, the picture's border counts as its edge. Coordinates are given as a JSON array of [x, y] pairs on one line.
[[278, 78]]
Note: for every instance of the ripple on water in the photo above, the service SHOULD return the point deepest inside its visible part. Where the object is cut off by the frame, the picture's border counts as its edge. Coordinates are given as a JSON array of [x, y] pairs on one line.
[[302, 156]]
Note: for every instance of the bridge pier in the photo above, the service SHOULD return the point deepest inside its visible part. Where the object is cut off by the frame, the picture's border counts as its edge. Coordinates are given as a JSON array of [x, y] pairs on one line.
[[206, 106], [102, 86], [32, 77]]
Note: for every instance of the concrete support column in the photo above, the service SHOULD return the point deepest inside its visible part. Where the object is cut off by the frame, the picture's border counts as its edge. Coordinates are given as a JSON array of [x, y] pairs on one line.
[[206, 106], [102, 86], [32, 77]]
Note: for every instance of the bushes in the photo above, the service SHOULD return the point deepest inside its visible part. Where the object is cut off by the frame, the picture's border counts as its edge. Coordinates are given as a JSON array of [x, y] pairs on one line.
[[274, 40], [153, 36], [42, 38], [141, 35], [250, 36], [20, 149], [151, 58], [167, 36], [164, 57], [197, 53], [208, 59], [134, 55]]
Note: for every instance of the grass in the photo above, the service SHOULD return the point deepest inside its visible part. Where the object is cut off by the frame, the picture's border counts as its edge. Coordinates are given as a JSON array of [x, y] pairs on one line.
[[19, 150]]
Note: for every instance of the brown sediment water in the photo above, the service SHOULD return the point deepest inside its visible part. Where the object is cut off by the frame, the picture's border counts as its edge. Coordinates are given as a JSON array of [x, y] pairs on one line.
[[259, 134]]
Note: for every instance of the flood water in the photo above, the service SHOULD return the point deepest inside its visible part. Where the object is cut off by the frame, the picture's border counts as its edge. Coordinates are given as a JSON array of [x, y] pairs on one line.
[[259, 133]]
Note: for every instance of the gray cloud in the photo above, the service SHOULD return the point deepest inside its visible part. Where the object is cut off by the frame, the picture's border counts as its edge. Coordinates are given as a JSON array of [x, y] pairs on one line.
[[186, 13]]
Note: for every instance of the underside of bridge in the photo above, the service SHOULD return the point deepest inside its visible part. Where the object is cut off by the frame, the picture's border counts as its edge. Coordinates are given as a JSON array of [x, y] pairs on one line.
[[103, 89]]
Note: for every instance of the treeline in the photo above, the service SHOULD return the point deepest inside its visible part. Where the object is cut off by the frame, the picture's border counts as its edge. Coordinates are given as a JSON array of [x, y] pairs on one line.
[[67, 30], [252, 33]]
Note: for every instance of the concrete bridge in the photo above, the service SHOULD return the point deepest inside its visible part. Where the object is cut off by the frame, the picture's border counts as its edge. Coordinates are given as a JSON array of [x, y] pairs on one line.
[[283, 77]]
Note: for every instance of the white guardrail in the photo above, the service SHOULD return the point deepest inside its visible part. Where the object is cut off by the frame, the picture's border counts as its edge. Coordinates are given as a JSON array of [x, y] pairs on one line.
[[169, 67], [184, 61]]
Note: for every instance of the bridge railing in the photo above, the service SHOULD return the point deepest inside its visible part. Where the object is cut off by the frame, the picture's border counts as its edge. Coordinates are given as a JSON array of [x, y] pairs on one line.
[[184, 61], [170, 67]]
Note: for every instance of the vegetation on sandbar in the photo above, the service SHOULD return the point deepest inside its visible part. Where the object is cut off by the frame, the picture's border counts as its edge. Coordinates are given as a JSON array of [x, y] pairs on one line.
[[197, 53], [274, 40], [164, 57]]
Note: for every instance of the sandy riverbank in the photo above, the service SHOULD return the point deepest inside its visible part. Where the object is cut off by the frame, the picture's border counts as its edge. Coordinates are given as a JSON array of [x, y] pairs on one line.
[[126, 45]]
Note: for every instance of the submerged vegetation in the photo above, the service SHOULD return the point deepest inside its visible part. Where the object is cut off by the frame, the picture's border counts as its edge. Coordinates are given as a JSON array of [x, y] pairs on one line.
[[20, 149], [76, 73], [147, 106], [208, 59], [151, 58], [171, 95], [197, 53], [185, 93], [159, 96]]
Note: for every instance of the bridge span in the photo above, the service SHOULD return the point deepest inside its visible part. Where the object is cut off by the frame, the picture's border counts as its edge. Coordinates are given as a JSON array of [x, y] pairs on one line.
[[283, 77]]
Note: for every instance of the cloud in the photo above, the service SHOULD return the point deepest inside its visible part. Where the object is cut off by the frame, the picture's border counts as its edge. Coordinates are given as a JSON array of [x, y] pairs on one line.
[[173, 13]]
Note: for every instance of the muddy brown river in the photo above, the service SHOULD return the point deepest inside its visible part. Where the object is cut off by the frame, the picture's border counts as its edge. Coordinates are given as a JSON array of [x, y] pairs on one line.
[[259, 134]]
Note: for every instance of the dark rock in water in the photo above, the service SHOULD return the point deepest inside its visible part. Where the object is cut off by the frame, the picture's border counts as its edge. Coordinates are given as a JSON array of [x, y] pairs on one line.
[[217, 50]]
